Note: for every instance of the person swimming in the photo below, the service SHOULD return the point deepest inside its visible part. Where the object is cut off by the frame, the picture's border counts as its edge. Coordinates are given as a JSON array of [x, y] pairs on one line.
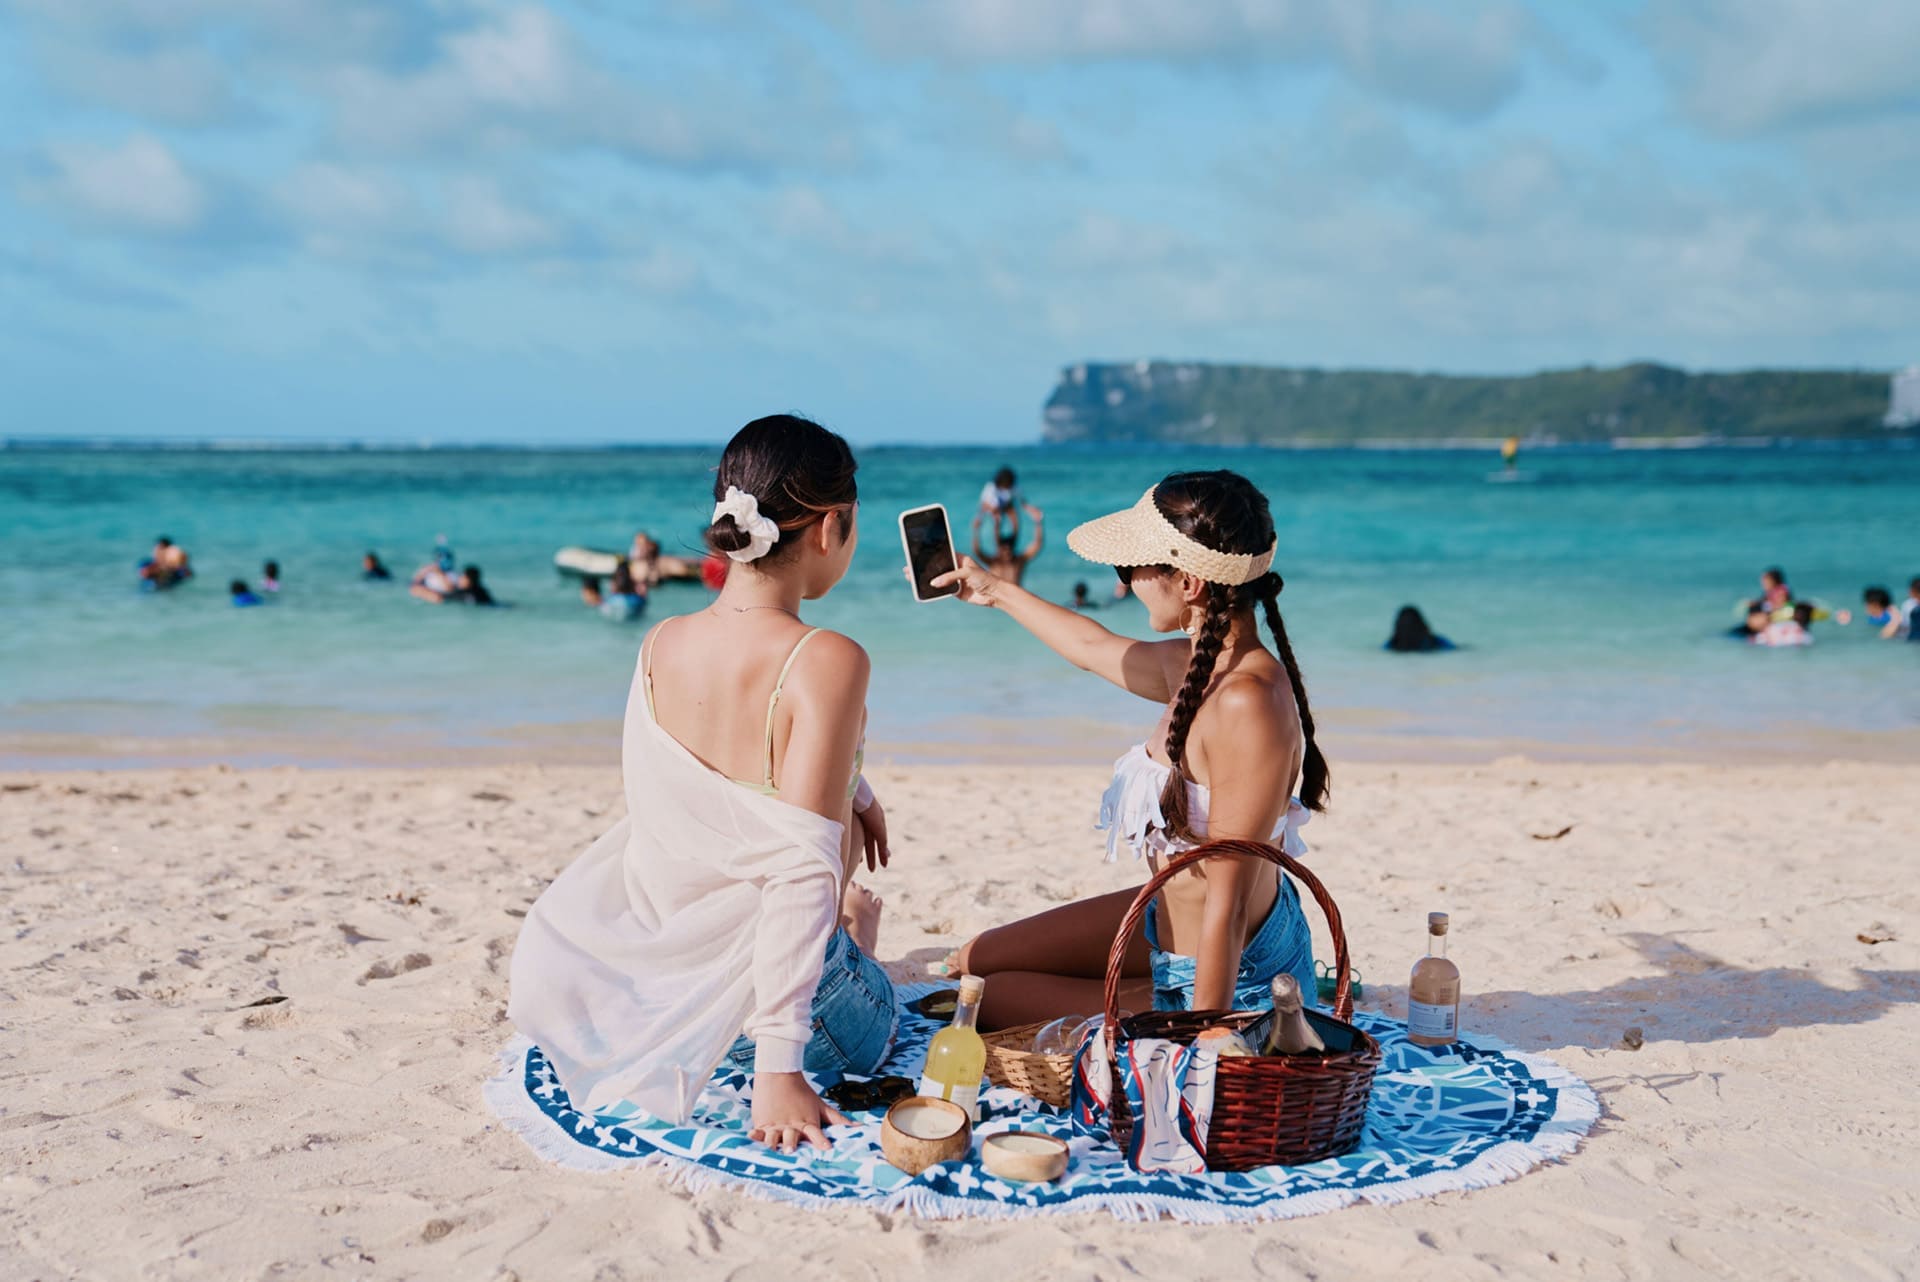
[[270, 577], [1411, 635], [372, 569], [625, 599], [1009, 561], [241, 595], [1000, 499], [167, 567], [1774, 592], [651, 567], [1082, 598], [1753, 625], [432, 585], [471, 590], [590, 594], [1796, 630]]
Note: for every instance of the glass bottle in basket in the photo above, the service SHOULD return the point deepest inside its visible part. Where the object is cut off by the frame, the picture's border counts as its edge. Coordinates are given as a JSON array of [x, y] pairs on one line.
[[1290, 1033], [1433, 991], [957, 1058]]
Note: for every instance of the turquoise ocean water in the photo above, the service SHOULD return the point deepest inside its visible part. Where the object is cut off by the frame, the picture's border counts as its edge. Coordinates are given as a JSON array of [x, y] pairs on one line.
[[1591, 599]]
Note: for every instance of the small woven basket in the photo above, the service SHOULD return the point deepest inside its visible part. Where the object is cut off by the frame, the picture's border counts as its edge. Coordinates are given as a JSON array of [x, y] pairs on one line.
[[1048, 1078], [1267, 1109]]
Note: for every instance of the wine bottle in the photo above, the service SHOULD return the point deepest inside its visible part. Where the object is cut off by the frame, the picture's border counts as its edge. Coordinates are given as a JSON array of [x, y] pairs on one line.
[[957, 1058], [1433, 991], [1290, 1033]]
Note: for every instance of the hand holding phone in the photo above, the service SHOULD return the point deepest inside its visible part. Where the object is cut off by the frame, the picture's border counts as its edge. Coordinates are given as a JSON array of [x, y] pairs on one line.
[[929, 544]]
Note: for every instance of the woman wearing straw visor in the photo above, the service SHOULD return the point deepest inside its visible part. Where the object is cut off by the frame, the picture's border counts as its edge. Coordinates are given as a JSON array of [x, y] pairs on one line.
[[1234, 737]]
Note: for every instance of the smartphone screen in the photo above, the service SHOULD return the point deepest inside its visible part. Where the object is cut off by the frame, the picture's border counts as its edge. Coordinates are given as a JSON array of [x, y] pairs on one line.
[[929, 550]]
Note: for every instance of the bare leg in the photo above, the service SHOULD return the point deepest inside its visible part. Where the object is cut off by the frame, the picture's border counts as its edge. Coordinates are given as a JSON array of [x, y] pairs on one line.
[[1030, 997], [1054, 962], [860, 914]]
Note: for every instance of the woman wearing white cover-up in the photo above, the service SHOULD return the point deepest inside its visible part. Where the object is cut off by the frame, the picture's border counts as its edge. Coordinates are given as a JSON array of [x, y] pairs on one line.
[[719, 919]]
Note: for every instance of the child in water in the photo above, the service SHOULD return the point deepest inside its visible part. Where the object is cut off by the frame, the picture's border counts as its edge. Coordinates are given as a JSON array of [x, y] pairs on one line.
[[1792, 631], [1878, 611]]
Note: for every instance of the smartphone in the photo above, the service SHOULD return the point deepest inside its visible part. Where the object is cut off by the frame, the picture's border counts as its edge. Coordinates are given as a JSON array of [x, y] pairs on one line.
[[929, 546]]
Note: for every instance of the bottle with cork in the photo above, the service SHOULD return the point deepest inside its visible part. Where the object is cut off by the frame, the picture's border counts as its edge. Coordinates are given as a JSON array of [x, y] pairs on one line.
[[1433, 991], [957, 1057]]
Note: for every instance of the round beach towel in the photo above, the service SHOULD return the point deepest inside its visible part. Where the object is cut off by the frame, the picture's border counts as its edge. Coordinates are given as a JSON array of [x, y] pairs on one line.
[[1462, 1116]]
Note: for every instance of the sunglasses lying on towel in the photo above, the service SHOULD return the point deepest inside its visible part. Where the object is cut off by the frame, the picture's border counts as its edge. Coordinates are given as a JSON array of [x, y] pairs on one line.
[[864, 1095]]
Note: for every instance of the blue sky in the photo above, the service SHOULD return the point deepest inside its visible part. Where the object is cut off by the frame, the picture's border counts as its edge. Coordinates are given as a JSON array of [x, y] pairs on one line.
[[594, 220]]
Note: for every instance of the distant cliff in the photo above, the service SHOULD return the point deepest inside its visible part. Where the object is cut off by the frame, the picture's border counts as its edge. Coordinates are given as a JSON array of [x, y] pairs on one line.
[[1191, 403]]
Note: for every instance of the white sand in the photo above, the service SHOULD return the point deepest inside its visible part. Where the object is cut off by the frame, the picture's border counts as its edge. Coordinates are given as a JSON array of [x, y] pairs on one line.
[[153, 1123]]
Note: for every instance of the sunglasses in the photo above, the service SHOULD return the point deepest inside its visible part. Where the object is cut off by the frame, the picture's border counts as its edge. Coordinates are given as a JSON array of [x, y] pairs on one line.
[[864, 1096], [1125, 573]]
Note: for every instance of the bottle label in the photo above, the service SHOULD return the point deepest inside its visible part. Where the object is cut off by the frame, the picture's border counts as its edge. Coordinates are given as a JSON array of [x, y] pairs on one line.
[[1425, 1020], [967, 1097]]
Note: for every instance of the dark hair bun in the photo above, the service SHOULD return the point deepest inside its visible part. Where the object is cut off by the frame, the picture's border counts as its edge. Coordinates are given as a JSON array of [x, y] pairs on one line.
[[725, 535], [797, 472]]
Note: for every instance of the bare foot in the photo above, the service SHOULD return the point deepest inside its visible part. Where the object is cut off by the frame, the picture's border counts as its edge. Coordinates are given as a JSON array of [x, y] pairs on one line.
[[860, 914]]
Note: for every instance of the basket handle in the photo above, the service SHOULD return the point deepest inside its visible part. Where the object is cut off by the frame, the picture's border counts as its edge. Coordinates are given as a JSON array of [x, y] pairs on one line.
[[1117, 957]]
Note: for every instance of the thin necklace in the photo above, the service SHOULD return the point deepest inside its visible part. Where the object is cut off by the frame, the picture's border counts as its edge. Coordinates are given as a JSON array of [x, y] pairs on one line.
[[743, 609]]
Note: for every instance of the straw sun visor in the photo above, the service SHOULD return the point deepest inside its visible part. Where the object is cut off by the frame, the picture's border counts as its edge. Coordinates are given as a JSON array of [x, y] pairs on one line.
[[1142, 535]]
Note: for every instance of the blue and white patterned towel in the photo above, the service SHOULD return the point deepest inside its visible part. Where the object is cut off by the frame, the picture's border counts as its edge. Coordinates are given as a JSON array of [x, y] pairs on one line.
[[1463, 1116]]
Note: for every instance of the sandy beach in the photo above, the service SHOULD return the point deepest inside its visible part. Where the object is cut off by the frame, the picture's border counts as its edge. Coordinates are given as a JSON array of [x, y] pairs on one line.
[[247, 1014]]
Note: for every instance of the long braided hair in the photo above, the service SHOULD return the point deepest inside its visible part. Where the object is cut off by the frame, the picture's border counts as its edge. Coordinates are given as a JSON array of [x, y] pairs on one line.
[[1224, 511]]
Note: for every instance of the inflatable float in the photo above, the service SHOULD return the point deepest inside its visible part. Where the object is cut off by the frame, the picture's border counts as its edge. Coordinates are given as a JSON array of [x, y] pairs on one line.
[[587, 563], [1780, 614]]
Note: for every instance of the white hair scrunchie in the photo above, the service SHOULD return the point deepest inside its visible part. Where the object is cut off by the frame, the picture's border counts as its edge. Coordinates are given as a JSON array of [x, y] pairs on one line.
[[762, 532]]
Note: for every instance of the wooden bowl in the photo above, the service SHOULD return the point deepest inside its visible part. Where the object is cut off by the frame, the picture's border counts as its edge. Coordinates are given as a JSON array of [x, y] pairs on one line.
[[1025, 1157], [921, 1132]]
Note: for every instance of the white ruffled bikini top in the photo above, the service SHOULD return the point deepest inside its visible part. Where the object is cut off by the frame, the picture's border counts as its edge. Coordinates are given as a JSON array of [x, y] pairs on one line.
[[1130, 811]]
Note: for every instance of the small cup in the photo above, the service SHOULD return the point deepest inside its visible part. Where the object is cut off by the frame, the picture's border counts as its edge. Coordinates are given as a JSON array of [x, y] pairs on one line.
[[1025, 1157], [922, 1132]]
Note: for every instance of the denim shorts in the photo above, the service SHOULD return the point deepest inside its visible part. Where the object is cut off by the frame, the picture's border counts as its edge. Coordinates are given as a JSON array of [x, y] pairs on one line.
[[854, 1017], [1283, 943]]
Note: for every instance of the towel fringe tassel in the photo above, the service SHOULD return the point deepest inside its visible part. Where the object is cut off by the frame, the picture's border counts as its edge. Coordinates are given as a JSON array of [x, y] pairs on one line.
[[1578, 1110]]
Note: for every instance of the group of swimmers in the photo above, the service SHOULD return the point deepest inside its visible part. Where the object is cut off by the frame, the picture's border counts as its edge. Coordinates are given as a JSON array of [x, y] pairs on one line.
[[437, 582], [1777, 618], [645, 567]]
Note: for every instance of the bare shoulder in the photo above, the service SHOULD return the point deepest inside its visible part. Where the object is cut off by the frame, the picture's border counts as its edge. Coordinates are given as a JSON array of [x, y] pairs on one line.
[[1254, 706], [831, 664]]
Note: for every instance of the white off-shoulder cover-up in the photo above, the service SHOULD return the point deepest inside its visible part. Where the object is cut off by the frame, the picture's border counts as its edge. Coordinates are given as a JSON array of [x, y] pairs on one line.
[[1130, 811], [642, 962]]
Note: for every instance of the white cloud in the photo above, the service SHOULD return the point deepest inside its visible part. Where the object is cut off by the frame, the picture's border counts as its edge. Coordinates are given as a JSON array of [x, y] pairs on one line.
[[967, 115], [306, 31], [173, 86], [662, 272], [805, 215], [481, 219], [338, 197], [138, 186], [1747, 66], [521, 81], [1463, 60]]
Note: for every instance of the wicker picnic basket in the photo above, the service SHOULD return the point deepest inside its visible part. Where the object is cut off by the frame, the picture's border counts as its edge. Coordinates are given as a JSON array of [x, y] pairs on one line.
[[1048, 1078], [1267, 1110]]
